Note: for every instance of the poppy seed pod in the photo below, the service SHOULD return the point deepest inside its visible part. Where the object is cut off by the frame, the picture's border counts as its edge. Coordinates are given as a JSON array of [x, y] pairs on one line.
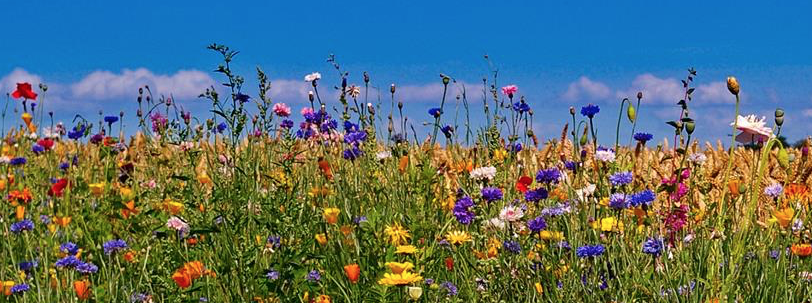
[[689, 126], [366, 77], [733, 85], [572, 110], [446, 80], [400, 104], [639, 95], [310, 96], [779, 117], [392, 88]]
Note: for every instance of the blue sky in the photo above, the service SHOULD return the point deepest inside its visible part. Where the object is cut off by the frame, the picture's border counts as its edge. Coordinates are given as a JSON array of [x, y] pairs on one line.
[[94, 54]]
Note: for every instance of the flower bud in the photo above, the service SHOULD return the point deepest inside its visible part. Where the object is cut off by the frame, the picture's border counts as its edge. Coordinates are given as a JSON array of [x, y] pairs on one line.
[[572, 110], [392, 88], [783, 158], [639, 95], [733, 85], [366, 77], [584, 136], [400, 104], [779, 116], [689, 126], [631, 113], [446, 80], [310, 96], [371, 108], [414, 292]]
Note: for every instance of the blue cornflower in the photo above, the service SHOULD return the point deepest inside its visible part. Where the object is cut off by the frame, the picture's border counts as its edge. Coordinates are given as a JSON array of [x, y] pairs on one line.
[[112, 246], [514, 148], [535, 195], [44, 219], [571, 165], [550, 176], [643, 137], [588, 251], [37, 149], [448, 130], [353, 153], [537, 224], [557, 210], [275, 241], [272, 275], [242, 97], [435, 112], [21, 226], [590, 110], [512, 246], [621, 178], [462, 210], [27, 266], [618, 201], [87, 268], [451, 289], [69, 248], [69, 262], [110, 119], [18, 161], [429, 281], [313, 276], [350, 127], [64, 166], [521, 107], [287, 123], [20, 288], [359, 219], [491, 194], [221, 127], [645, 197], [139, 298], [653, 246], [77, 132], [356, 137]]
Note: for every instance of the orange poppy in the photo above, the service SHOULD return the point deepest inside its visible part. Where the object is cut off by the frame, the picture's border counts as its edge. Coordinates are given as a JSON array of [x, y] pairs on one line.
[[20, 212], [62, 221], [797, 192], [82, 289], [403, 163], [802, 250], [353, 272], [129, 209]]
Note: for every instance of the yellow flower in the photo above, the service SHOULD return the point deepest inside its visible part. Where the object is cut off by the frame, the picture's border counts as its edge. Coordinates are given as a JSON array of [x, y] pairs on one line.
[[539, 289], [551, 235], [406, 249], [97, 188], [323, 299], [203, 177], [400, 279], [397, 234], [608, 224], [604, 201], [173, 207], [397, 267], [331, 215], [126, 193], [414, 292], [457, 237], [499, 155], [321, 238], [784, 216]]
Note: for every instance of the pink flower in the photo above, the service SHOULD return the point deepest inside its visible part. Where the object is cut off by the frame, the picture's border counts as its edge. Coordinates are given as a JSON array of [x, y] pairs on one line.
[[281, 109], [306, 110], [752, 129], [177, 224], [509, 90]]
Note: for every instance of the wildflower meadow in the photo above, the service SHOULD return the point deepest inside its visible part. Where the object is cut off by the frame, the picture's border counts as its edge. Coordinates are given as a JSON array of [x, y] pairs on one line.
[[345, 198]]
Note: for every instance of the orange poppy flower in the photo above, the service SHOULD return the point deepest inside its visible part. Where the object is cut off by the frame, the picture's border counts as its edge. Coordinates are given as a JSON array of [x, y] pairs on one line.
[[129, 209], [20, 212], [182, 279], [797, 192], [62, 221], [403, 163], [353, 272], [802, 250], [82, 289], [129, 256]]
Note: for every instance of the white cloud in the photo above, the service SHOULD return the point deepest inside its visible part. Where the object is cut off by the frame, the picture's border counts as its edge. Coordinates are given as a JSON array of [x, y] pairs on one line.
[[714, 93], [585, 89], [669, 91], [285, 90], [807, 113], [101, 85], [9, 82]]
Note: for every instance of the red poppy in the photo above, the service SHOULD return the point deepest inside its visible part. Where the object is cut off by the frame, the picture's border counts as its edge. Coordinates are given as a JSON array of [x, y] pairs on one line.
[[325, 169], [46, 143], [24, 91], [449, 263], [523, 183], [58, 187], [353, 272]]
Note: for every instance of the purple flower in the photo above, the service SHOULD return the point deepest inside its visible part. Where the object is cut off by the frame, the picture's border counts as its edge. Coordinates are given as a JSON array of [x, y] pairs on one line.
[[87, 268], [353, 153], [535, 195], [448, 130], [491, 194], [272, 275], [549, 176], [589, 251], [110, 119], [774, 190], [20, 288], [590, 110], [450, 288], [21, 226], [621, 178], [537, 224], [462, 210], [313, 276], [653, 246], [242, 98], [68, 262], [618, 201], [643, 137], [512, 246], [557, 210], [69, 248], [18, 161], [435, 112], [112, 246], [287, 123], [645, 197]]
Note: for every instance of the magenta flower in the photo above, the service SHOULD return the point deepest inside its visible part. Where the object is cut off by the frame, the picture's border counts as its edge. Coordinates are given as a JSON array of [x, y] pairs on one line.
[[509, 90]]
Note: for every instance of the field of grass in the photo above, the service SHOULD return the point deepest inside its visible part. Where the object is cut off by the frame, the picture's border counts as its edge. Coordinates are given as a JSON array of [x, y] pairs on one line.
[[346, 202]]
